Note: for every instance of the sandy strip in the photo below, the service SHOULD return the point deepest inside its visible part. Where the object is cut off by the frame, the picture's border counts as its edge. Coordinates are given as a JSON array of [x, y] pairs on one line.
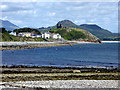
[[111, 41], [63, 84], [44, 42], [27, 43], [24, 43]]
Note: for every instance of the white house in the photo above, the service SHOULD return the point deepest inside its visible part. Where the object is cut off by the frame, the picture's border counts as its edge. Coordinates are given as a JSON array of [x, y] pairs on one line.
[[46, 35], [56, 36], [13, 33]]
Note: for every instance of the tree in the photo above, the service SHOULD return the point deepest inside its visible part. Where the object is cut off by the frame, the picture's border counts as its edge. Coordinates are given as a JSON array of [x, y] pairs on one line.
[[9, 31], [3, 30], [27, 30]]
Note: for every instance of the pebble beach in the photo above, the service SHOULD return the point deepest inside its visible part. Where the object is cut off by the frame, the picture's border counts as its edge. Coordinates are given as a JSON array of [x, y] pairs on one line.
[[62, 84]]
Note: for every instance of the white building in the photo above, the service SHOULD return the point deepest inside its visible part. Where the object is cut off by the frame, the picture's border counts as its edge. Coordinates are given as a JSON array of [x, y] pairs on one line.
[[48, 35], [36, 36], [56, 36], [13, 33], [25, 34]]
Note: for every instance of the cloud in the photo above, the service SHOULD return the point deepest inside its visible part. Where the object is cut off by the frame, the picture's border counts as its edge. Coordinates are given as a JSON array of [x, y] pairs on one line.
[[13, 7], [17, 22], [3, 7], [4, 18], [60, 1], [78, 22], [51, 14]]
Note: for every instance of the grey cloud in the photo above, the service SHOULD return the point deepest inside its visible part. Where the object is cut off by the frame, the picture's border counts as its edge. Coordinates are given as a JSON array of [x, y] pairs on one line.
[[13, 7]]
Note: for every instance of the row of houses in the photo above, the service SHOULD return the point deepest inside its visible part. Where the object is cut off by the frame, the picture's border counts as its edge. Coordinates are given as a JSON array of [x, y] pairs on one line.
[[46, 35]]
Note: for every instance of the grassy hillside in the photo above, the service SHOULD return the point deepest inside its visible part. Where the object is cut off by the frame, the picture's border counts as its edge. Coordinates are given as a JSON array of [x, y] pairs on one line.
[[7, 37], [74, 34]]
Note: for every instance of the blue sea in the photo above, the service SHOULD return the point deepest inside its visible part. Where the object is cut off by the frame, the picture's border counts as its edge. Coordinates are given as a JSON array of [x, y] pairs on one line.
[[100, 55]]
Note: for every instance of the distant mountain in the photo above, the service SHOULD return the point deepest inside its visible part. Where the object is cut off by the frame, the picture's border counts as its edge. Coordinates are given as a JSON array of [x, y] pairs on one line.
[[92, 28], [8, 25], [97, 30]]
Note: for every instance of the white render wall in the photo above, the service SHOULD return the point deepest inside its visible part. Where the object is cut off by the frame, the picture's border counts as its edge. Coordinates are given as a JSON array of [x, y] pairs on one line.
[[46, 35], [56, 36], [49, 35]]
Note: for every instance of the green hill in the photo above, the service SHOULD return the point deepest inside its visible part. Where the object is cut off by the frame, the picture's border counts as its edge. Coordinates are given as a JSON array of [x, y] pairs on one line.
[[74, 34]]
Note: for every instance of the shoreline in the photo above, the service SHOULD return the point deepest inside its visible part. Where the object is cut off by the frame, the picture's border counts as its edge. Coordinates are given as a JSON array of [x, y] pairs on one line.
[[51, 42], [30, 45], [42, 42], [58, 66], [111, 41]]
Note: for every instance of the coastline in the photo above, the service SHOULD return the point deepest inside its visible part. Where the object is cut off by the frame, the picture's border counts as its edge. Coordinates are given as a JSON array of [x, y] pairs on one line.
[[30, 45]]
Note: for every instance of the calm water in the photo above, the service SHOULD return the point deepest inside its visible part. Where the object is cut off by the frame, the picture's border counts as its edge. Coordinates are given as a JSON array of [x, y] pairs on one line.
[[78, 55]]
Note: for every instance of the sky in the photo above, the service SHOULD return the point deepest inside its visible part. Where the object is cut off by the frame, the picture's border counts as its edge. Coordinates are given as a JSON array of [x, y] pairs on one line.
[[44, 14]]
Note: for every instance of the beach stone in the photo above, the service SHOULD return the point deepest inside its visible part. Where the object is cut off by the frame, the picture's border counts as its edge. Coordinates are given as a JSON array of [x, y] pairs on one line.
[[76, 71], [64, 84]]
